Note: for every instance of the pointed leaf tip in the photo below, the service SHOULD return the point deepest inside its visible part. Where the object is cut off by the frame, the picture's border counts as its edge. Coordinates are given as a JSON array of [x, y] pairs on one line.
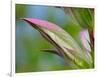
[[41, 23]]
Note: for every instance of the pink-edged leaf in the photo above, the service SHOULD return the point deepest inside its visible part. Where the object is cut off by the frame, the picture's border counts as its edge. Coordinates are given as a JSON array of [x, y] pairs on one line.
[[85, 40], [59, 38]]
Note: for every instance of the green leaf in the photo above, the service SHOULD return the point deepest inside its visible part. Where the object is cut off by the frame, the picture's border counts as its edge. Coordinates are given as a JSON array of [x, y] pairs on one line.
[[83, 16]]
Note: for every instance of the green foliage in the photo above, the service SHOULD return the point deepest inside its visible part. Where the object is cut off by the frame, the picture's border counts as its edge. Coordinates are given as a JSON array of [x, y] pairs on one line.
[[30, 45]]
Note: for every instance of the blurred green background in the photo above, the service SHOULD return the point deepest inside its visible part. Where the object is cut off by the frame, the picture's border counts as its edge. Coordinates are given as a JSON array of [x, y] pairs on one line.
[[29, 43]]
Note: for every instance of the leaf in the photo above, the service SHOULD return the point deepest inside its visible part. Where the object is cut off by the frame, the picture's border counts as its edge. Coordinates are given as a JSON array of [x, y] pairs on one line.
[[59, 39], [53, 51], [85, 40], [83, 16]]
